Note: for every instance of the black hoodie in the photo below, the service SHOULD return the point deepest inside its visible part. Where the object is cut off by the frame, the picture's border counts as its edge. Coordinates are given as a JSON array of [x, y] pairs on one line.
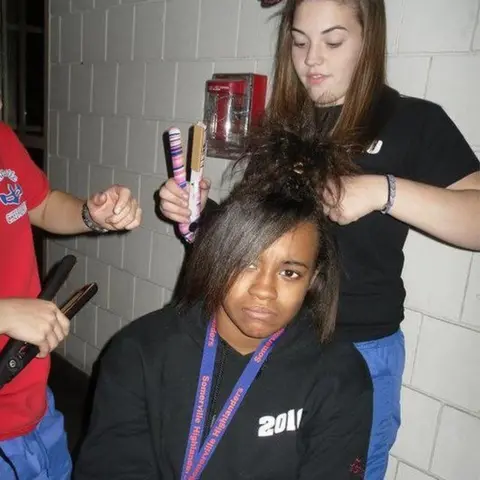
[[306, 416]]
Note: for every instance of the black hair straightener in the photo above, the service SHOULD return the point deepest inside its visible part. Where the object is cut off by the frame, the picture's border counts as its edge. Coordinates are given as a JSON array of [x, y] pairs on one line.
[[16, 354]]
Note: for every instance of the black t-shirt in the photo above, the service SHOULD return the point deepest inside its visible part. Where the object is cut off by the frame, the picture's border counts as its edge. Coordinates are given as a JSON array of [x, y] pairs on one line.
[[416, 141]]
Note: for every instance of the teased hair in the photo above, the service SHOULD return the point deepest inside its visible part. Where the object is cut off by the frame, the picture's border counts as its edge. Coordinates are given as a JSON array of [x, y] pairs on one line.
[[282, 187], [279, 145]]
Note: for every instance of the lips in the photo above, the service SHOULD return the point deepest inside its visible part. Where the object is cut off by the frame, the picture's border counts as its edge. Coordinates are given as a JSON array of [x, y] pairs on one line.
[[259, 313], [316, 79]]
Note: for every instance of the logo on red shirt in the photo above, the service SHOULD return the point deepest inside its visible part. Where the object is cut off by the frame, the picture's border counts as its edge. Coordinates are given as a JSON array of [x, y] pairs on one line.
[[11, 195]]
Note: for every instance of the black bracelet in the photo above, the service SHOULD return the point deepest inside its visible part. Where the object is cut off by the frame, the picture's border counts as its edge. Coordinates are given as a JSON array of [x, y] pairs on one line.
[[89, 222]]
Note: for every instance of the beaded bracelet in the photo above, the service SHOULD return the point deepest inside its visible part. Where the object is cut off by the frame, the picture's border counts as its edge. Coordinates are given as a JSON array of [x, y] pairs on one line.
[[392, 192], [89, 222]]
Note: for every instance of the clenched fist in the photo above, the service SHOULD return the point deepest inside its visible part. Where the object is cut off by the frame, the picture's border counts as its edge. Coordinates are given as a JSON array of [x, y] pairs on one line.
[[34, 321]]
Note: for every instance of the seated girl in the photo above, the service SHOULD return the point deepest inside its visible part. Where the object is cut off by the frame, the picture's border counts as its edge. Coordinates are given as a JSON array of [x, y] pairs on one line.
[[236, 379]]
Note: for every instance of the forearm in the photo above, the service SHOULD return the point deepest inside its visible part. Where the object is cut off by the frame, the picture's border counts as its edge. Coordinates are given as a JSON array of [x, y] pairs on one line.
[[4, 316], [60, 213], [452, 216]]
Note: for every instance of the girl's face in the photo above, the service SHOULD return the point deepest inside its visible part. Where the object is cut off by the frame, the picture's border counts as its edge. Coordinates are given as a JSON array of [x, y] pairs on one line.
[[326, 44], [268, 294]]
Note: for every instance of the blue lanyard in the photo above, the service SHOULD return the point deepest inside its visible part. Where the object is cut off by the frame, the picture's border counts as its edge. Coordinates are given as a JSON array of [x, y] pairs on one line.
[[196, 455]]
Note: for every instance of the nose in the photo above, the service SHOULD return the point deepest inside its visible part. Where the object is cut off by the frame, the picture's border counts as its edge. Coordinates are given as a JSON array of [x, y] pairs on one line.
[[314, 56], [263, 287]]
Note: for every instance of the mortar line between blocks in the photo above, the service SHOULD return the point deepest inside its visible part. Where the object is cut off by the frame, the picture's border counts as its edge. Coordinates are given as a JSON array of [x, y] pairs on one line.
[[132, 45], [430, 475], [237, 34], [449, 321], [416, 347], [469, 274], [199, 20], [435, 436], [427, 83], [396, 43], [443, 401], [164, 23], [476, 29]]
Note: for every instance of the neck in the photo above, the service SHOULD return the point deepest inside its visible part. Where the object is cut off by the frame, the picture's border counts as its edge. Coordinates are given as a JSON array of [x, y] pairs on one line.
[[233, 336], [336, 103]]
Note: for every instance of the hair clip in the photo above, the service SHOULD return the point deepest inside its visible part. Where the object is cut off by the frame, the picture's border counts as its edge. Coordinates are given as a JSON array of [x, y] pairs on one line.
[[298, 168]]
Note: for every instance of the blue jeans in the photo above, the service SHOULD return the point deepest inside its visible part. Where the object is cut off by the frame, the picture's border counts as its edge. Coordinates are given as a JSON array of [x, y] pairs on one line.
[[41, 454], [386, 361]]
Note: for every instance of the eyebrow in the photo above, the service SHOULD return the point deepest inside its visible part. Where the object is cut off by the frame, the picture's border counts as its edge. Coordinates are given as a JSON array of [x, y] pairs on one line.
[[296, 263], [328, 30]]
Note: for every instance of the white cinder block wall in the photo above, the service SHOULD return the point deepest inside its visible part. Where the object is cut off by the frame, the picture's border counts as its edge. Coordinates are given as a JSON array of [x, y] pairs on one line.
[[121, 72]]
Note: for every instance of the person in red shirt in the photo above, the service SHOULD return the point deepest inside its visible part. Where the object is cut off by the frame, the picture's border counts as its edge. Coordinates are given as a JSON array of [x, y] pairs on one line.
[[32, 438]]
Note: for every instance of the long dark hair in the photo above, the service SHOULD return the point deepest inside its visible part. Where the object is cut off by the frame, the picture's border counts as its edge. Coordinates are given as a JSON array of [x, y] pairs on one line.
[[282, 188], [289, 98]]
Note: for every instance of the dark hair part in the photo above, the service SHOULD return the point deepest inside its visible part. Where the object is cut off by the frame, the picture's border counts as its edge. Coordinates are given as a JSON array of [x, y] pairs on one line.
[[289, 97], [280, 190]]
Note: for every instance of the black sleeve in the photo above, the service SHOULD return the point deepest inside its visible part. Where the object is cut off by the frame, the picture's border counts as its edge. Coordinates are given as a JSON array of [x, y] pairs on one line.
[[118, 444], [335, 435], [442, 156]]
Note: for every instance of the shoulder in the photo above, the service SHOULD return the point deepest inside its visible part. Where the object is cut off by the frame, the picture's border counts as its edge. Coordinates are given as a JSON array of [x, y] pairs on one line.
[[410, 115], [422, 119], [9, 139], [421, 105], [6, 131], [14, 155], [140, 343], [153, 327], [346, 368], [167, 326], [395, 106], [417, 110], [148, 342]]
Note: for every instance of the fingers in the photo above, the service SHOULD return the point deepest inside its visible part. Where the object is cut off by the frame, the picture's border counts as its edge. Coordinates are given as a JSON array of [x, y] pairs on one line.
[[59, 329], [136, 221], [44, 350], [63, 322], [51, 341], [130, 216], [54, 330], [205, 185], [172, 193], [174, 202], [334, 216], [328, 195], [99, 199], [124, 199], [35, 321]]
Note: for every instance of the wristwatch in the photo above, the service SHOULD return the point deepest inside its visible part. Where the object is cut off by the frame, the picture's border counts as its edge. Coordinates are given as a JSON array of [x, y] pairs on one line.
[[89, 222]]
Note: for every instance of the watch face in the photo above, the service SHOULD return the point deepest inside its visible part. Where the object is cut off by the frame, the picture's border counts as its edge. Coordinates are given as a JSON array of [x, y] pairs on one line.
[[269, 3]]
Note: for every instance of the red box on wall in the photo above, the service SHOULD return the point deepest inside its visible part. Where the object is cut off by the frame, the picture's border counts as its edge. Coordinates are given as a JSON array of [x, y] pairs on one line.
[[234, 103]]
